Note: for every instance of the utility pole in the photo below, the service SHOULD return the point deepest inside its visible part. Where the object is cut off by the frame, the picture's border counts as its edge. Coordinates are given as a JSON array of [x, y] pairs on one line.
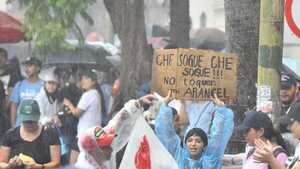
[[270, 53]]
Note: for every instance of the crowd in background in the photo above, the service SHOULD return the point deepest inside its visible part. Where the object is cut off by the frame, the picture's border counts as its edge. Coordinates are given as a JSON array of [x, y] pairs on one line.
[[44, 113]]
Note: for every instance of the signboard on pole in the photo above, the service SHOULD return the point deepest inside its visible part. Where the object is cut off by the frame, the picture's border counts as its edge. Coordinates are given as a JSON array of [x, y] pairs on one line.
[[195, 74]]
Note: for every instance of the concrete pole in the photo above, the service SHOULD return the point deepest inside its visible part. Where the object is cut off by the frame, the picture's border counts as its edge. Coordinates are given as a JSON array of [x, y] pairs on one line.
[[270, 50]]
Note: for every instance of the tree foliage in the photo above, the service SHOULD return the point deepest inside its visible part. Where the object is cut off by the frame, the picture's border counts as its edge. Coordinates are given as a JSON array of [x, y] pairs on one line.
[[48, 22]]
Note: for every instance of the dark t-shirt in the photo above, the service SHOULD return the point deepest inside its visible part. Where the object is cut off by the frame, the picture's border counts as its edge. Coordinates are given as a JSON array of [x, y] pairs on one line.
[[38, 149]]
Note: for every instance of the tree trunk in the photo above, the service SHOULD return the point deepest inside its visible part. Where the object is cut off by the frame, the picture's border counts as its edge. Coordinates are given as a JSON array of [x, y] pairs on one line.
[[128, 21], [242, 29], [180, 23]]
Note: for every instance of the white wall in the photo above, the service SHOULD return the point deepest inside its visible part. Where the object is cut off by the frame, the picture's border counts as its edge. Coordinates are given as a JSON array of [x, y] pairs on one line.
[[291, 41], [3, 5], [214, 10]]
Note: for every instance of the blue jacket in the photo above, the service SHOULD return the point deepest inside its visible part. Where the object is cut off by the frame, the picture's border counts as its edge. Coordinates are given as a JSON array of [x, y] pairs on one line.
[[217, 121]]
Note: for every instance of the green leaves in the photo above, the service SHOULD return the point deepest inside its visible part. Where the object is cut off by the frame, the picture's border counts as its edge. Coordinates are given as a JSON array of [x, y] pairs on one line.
[[48, 22]]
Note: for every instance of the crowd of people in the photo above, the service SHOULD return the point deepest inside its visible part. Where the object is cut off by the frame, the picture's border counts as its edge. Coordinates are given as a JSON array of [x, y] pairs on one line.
[[50, 119]]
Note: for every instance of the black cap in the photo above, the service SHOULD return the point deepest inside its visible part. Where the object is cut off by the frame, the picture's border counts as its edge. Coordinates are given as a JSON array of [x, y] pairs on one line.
[[32, 60], [287, 81], [255, 120], [294, 113]]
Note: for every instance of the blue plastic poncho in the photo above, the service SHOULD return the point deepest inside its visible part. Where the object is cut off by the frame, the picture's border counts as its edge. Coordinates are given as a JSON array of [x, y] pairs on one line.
[[217, 122]]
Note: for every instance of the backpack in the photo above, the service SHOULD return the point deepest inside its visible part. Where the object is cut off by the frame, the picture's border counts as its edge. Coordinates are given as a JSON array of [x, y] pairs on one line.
[[276, 152]]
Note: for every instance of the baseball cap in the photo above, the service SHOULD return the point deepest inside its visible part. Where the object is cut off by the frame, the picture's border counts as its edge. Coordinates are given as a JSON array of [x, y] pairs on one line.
[[32, 60], [91, 73], [256, 120], [294, 113], [287, 81], [29, 111]]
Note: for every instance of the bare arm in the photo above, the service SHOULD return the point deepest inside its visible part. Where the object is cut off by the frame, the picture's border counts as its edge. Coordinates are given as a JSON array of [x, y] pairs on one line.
[[4, 153], [13, 114], [55, 157], [6, 163], [74, 110]]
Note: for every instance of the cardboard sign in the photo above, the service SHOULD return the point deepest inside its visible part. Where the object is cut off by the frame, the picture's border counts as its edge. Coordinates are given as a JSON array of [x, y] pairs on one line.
[[195, 74]]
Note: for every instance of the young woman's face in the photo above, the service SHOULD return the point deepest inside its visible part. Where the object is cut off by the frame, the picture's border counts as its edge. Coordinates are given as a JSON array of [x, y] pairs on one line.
[[195, 145], [51, 87], [86, 82], [295, 129], [251, 135]]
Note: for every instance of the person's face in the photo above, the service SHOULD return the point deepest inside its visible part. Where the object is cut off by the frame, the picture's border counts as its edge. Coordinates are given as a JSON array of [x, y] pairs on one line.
[[288, 95], [3, 59], [195, 145], [295, 129], [30, 126], [51, 86], [86, 82], [251, 135], [31, 70]]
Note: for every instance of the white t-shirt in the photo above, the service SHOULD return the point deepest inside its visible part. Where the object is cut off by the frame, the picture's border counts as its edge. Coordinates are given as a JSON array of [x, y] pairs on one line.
[[48, 110], [91, 116], [297, 150]]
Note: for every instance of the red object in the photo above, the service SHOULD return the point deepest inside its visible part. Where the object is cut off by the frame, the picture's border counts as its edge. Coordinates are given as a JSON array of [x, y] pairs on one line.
[[88, 142], [290, 18], [10, 29], [94, 37], [142, 157], [106, 139], [116, 87]]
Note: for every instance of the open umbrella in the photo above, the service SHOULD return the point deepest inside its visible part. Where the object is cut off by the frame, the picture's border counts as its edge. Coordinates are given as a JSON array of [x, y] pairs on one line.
[[10, 29], [86, 55], [209, 38]]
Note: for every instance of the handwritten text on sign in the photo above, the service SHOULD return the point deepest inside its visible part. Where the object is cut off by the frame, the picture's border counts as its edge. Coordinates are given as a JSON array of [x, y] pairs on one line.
[[195, 74]]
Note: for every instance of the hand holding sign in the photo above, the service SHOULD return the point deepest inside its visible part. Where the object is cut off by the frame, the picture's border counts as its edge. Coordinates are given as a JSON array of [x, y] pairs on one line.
[[217, 101], [168, 98]]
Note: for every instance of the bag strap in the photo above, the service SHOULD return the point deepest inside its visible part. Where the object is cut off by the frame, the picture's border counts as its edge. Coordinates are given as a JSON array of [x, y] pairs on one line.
[[250, 152]]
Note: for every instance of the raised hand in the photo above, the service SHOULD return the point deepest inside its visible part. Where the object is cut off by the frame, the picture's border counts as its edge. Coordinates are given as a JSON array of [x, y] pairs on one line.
[[168, 98], [217, 101], [263, 151]]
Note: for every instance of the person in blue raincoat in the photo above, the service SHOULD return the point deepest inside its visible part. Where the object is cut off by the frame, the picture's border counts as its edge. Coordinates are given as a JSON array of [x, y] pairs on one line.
[[195, 152]]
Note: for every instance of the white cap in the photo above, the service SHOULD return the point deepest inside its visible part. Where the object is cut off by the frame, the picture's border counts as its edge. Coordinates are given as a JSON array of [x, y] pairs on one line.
[[49, 75]]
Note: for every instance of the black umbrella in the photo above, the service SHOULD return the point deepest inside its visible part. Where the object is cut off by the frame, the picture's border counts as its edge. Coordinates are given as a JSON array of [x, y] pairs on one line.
[[209, 38], [95, 57]]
